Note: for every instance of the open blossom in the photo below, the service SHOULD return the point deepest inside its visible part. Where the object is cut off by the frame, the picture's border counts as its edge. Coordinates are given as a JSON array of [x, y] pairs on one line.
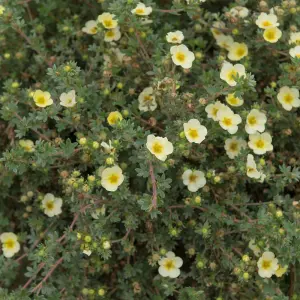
[[112, 178], [194, 131], [142, 10], [237, 51], [281, 270], [10, 244], [288, 97], [295, 52], [239, 12], [251, 167], [90, 27], [27, 145], [42, 99], [68, 99], [212, 110], [266, 21], [169, 265], [228, 120], [232, 100], [108, 20], [295, 38], [175, 37], [2, 10], [216, 28], [267, 265], [255, 122], [229, 72], [182, 56], [159, 146], [147, 100], [51, 205], [233, 146], [194, 180], [114, 117], [260, 143], [272, 35], [112, 35], [224, 41]]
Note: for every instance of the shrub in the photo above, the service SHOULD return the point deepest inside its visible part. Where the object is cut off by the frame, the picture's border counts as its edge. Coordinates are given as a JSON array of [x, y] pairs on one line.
[[150, 150]]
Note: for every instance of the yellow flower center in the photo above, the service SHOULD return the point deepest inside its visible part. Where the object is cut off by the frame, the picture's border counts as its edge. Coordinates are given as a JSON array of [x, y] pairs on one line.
[[260, 144], [270, 35], [193, 133], [93, 30], [288, 98], [250, 170], [108, 23], [227, 121], [252, 120], [180, 57], [174, 39], [10, 244], [231, 74], [240, 52], [215, 111], [110, 33], [157, 148], [139, 11], [41, 100], [50, 205], [147, 98], [266, 23], [233, 100], [169, 264], [297, 55], [233, 146], [193, 178], [113, 179], [266, 264]]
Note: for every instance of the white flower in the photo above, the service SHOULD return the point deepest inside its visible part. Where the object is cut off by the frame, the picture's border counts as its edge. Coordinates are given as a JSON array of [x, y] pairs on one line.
[[90, 27], [112, 178], [272, 35], [232, 100], [194, 180], [256, 250], [228, 120], [237, 51], [295, 38], [255, 121], [224, 41], [107, 20], [10, 244], [288, 97], [158, 146], [147, 100], [68, 99], [229, 72], [182, 56], [239, 12], [266, 21], [233, 146], [194, 131], [260, 143], [112, 35], [295, 52], [212, 110], [87, 252], [267, 265], [51, 205], [169, 265], [175, 37], [217, 27], [142, 10], [108, 148], [252, 171]]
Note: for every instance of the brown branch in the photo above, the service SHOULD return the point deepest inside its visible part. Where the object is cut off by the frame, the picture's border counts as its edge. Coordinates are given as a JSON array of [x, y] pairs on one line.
[[123, 238], [41, 265], [154, 187]]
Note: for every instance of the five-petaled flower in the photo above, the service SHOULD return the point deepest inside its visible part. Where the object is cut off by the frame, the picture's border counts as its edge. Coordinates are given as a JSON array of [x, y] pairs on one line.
[[68, 99], [288, 98], [182, 56], [260, 143], [10, 244], [142, 10], [267, 265], [194, 131], [51, 205], [42, 99], [112, 178], [159, 146], [170, 265], [194, 180], [230, 72]]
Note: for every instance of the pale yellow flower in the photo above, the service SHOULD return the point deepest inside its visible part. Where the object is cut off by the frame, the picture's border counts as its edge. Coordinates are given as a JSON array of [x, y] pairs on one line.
[[233, 100], [175, 37], [251, 167], [147, 100], [295, 52], [112, 35], [217, 27], [112, 178], [90, 27], [228, 120], [266, 21], [288, 97], [256, 250], [224, 41], [255, 122], [27, 145], [237, 51], [182, 56], [229, 72], [267, 265], [233, 146], [295, 38], [170, 265], [108, 21], [10, 244], [68, 99], [260, 143], [51, 205], [194, 131], [281, 270], [2, 9], [194, 180], [212, 110], [142, 10], [114, 117], [42, 99], [158, 146], [272, 35]]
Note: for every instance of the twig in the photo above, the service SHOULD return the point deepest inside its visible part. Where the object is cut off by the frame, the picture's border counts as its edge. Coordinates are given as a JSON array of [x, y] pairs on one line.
[[41, 265], [123, 238], [154, 187]]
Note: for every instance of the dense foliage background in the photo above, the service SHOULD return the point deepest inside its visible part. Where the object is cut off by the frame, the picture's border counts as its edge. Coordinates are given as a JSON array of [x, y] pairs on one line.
[[80, 238]]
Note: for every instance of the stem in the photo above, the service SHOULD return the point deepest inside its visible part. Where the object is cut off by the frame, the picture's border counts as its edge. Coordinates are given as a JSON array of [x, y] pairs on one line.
[[154, 187]]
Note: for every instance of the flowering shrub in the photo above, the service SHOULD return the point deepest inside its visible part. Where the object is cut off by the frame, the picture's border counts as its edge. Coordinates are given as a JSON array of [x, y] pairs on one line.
[[150, 150]]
